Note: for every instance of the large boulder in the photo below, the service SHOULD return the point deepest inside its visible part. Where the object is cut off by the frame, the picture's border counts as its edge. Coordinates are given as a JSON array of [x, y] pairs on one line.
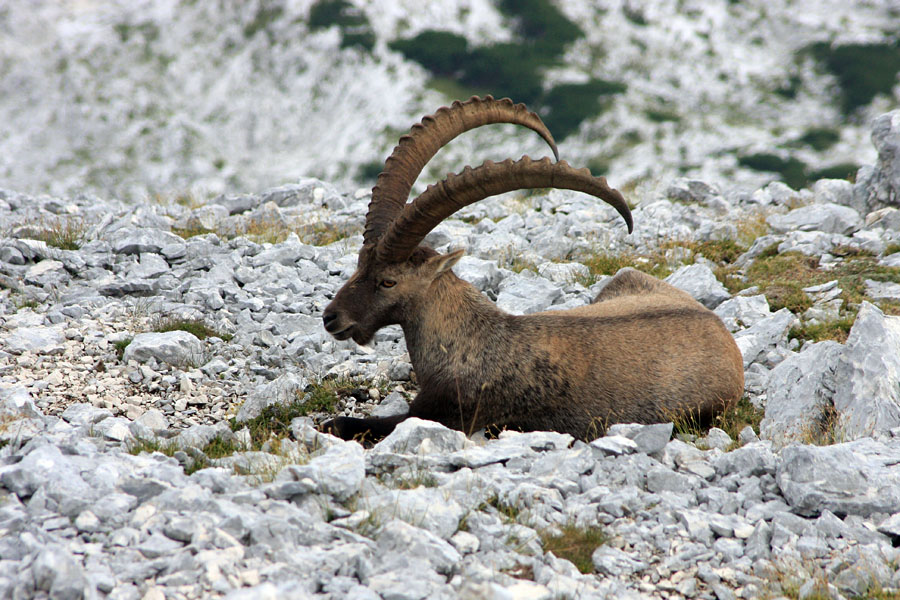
[[879, 186], [867, 376], [798, 393], [853, 478]]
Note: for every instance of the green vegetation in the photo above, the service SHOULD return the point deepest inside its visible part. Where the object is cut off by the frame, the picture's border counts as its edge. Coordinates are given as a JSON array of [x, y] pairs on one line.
[[441, 52], [863, 70], [661, 115], [513, 69], [197, 327], [370, 171], [792, 171], [837, 330], [541, 25], [576, 544], [355, 27], [120, 347], [571, 103], [273, 231], [782, 277], [731, 421], [840, 171], [320, 397], [266, 14], [819, 138], [602, 262]]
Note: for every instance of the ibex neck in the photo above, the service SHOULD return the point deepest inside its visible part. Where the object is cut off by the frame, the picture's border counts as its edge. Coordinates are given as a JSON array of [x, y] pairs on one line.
[[453, 322]]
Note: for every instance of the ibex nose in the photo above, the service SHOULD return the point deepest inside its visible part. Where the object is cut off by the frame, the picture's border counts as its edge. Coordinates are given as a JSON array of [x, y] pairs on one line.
[[328, 318]]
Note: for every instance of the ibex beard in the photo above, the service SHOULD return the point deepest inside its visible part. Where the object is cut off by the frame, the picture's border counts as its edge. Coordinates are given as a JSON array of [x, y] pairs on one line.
[[642, 351]]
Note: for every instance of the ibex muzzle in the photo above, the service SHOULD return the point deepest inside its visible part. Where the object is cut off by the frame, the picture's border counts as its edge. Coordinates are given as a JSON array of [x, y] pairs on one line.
[[643, 351]]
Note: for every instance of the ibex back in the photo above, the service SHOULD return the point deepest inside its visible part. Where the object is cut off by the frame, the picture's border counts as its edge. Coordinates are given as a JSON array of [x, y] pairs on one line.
[[643, 351]]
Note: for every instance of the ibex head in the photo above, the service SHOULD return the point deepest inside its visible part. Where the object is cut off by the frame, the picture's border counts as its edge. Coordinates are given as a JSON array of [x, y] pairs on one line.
[[394, 270]]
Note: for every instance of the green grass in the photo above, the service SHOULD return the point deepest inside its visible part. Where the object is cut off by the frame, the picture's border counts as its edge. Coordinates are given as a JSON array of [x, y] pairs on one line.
[[836, 330], [120, 347], [323, 396], [197, 327], [782, 277], [731, 421], [576, 544], [140, 445], [189, 232], [602, 262]]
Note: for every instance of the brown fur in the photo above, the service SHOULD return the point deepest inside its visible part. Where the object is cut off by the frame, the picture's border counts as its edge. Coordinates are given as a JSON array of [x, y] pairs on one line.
[[643, 352]]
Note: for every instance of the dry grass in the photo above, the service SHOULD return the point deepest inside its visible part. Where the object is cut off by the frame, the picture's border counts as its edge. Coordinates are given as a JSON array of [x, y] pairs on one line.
[[576, 544], [731, 421], [64, 233], [782, 277]]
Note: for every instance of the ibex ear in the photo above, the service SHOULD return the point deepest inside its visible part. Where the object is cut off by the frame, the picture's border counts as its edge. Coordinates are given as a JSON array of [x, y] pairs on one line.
[[444, 262]]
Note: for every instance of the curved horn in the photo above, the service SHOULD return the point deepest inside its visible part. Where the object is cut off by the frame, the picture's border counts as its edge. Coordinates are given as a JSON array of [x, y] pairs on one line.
[[424, 140], [446, 197]]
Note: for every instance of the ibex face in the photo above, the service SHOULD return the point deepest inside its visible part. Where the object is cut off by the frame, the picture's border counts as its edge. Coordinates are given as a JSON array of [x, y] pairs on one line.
[[382, 293]]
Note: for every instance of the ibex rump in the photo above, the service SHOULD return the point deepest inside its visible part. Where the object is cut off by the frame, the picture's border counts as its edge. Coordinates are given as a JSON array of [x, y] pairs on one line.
[[643, 351]]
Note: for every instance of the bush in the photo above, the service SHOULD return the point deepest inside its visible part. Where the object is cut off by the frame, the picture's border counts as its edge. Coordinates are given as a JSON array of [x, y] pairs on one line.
[[355, 27], [792, 170], [571, 103], [541, 25], [507, 70], [841, 171], [441, 52], [863, 70], [820, 138]]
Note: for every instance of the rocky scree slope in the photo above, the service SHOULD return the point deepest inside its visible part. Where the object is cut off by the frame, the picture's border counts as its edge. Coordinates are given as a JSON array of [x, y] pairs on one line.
[[138, 463]]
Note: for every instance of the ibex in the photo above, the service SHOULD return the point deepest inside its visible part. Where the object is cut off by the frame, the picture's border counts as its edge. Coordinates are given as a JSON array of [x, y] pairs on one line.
[[642, 351]]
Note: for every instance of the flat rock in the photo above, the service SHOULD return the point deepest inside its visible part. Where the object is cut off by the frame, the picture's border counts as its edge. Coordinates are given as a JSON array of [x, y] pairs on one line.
[[883, 290], [38, 340], [177, 348], [522, 294], [417, 436], [133, 240], [742, 312], [824, 217], [700, 282], [853, 478]]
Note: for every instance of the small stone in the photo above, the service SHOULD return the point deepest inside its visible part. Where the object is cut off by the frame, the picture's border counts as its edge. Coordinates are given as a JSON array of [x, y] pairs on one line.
[[615, 445], [87, 521]]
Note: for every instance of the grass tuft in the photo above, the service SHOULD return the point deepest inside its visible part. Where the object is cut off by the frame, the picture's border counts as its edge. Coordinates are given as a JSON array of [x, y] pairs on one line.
[[65, 234], [837, 330], [120, 347], [323, 396], [576, 544], [731, 421], [196, 327]]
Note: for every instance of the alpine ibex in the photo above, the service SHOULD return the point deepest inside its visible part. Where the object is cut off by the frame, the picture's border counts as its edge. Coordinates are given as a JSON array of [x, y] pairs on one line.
[[643, 351]]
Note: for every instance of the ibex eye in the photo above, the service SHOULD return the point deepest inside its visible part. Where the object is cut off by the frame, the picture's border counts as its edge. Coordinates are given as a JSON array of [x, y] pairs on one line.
[[388, 283]]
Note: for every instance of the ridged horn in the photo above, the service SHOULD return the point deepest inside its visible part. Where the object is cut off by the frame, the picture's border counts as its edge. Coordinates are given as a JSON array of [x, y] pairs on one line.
[[423, 141], [446, 197]]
